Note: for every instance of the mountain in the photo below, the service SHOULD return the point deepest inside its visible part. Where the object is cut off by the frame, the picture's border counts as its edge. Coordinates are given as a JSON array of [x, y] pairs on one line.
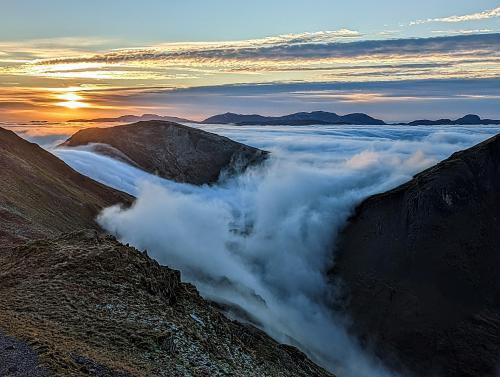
[[170, 150], [302, 118], [134, 118], [40, 195], [78, 302], [83, 304], [420, 268], [469, 119]]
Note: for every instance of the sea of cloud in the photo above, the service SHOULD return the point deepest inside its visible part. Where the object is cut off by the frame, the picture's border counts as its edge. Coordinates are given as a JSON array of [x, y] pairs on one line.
[[261, 243]]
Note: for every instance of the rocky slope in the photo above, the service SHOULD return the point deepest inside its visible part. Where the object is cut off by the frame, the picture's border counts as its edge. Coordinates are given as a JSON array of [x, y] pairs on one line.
[[420, 267], [40, 195], [302, 118], [171, 150], [85, 304]]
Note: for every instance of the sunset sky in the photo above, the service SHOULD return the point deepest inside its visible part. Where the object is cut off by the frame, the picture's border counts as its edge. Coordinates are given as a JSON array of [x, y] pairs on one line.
[[392, 59]]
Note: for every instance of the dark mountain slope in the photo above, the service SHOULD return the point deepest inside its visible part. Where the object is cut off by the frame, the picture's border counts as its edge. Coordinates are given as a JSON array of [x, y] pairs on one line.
[[40, 195], [91, 306], [420, 265], [171, 150]]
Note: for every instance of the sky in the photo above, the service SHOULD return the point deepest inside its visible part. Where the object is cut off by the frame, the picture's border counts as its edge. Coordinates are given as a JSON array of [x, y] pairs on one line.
[[397, 60]]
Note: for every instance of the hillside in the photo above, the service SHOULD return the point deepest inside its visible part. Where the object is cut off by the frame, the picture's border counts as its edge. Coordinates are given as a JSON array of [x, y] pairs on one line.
[[84, 304], [170, 150], [420, 267], [41, 196]]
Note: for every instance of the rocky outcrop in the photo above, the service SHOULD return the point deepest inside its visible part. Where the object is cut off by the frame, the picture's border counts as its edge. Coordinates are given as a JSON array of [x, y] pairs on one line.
[[171, 150], [40, 195], [87, 304], [420, 267], [296, 119]]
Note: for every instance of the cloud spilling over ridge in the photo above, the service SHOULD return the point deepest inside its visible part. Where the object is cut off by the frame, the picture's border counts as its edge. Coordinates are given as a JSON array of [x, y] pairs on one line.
[[262, 242]]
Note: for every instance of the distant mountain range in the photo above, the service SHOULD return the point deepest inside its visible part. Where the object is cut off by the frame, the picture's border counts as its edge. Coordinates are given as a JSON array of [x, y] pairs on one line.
[[296, 119], [468, 119], [134, 118]]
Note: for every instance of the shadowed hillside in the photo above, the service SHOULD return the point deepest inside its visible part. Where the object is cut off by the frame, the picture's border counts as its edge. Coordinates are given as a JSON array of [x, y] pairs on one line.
[[420, 267], [41, 196]]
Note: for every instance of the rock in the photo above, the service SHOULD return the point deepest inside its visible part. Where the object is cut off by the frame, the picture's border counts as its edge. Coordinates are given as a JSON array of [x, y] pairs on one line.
[[18, 359], [171, 150], [420, 267]]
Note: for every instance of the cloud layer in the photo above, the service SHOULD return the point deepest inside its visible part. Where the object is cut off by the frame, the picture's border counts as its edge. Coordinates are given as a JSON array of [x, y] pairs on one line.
[[262, 242], [38, 73]]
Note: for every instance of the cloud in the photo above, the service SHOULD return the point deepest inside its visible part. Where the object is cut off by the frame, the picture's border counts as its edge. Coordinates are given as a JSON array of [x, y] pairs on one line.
[[484, 15], [263, 241], [403, 100], [309, 57], [327, 56], [463, 31], [290, 48]]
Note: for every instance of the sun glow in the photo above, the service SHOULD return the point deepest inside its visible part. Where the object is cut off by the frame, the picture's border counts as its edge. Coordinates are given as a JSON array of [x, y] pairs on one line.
[[72, 101]]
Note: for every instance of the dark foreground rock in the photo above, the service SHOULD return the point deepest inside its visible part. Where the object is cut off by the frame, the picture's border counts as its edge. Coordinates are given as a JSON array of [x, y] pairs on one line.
[[88, 305], [170, 150], [40, 195], [18, 359], [420, 265]]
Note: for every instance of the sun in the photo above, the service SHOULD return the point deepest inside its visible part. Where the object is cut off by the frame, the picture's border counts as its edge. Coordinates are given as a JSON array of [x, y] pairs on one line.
[[72, 101]]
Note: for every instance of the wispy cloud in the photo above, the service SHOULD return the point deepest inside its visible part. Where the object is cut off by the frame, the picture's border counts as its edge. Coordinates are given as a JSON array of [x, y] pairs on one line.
[[484, 15], [462, 32], [340, 56], [308, 56]]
